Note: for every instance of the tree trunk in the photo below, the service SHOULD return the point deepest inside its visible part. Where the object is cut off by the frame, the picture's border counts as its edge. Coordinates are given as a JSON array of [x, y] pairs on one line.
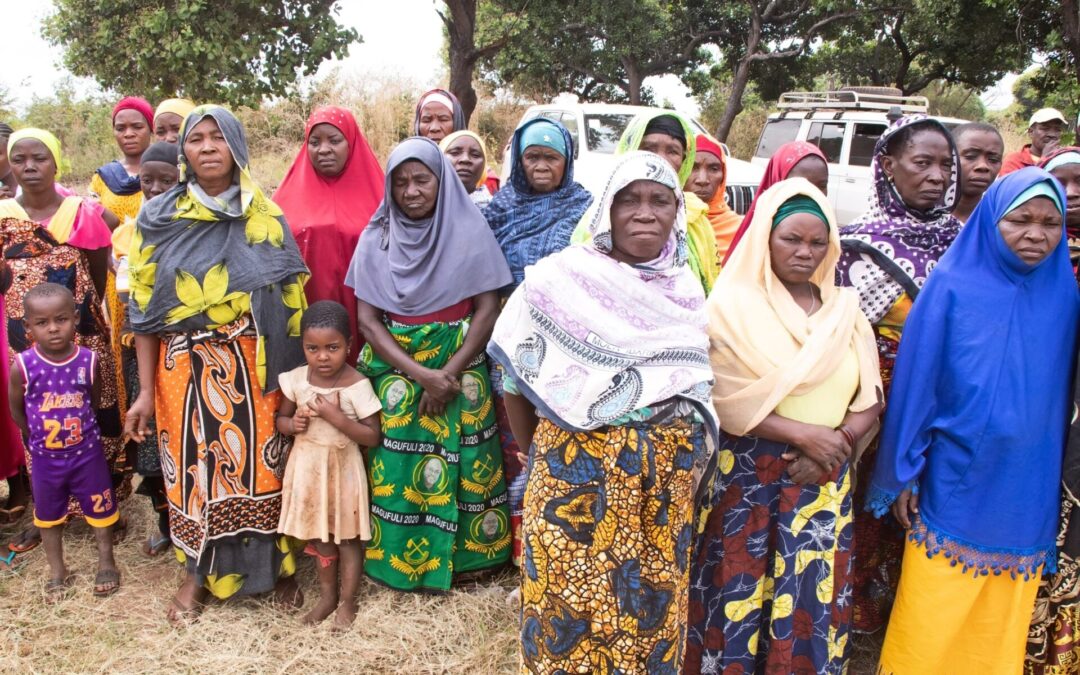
[[734, 103], [633, 82], [1070, 27], [461, 33]]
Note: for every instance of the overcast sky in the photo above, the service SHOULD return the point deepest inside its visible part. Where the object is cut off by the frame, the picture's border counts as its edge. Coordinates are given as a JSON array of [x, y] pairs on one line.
[[403, 37]]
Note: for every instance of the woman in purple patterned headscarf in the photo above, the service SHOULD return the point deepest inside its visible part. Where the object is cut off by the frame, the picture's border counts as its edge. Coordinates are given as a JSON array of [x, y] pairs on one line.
[[888, 254]]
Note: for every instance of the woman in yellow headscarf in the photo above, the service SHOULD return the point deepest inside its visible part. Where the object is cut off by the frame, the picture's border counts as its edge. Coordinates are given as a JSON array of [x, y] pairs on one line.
[[34, 228], [168, 117], [797, 388]]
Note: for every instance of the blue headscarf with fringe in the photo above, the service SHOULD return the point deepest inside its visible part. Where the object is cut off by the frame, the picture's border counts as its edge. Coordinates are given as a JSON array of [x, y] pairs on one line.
[[529, 225], [980, 395]]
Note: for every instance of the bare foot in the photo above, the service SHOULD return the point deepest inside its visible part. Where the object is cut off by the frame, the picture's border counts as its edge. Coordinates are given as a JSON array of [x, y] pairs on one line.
[[322, 609], [186, 606], [344, 616], [287, 594]]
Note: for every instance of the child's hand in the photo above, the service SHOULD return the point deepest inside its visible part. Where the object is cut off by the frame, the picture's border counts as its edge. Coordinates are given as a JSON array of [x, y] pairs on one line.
[[327, 407], [300, 421]]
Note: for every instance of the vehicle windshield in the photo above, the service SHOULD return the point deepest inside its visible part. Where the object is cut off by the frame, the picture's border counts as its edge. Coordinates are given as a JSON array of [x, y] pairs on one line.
[[603, 131], [776, 133]]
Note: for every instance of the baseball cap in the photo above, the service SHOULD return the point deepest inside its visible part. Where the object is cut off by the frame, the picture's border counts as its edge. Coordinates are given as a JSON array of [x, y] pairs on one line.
[[1047, 115]]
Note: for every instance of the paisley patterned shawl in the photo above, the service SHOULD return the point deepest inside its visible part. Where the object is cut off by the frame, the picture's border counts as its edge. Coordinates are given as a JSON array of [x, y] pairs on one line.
[[588, 339], [892, 248], [199, 262]]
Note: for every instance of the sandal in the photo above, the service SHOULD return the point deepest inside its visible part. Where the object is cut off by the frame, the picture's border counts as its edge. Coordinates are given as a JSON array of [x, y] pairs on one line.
[[178, 615], [56, 589], [155, 546], [106, 582], [25, 541], [12, 515]]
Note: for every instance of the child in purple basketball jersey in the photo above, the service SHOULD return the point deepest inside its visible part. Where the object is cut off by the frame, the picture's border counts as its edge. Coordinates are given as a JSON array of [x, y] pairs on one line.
[[54, 390]]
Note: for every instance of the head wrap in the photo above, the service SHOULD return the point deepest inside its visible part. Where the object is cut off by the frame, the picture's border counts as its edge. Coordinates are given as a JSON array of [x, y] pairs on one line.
[[416, 267], [529, 225], [766, 347], [1061, 157], [166, 153], [327, 215], [708, 144], [198, 262], [669, 125], [1040, 189], [725, 222], [177, 106], [46, 138], [139, 105], [445, 98], [445, 144], [892, 248], [545, 133], [639, 126], [344, 202], [588, 339], [799, 203], [780, 165], [978, 375]]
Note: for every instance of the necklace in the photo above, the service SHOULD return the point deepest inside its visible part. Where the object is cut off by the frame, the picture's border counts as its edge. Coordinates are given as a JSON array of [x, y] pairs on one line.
[[341, 373]]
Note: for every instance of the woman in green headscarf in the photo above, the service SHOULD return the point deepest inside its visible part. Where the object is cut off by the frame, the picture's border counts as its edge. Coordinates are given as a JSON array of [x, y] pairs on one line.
[[216, 298], [670, 135]]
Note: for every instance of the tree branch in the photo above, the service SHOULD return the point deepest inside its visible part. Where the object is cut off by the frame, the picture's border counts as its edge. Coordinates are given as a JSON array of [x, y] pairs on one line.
[[803, 41]]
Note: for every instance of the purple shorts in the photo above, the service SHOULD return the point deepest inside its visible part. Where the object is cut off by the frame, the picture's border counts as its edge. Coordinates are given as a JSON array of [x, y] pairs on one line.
[[83, 474]]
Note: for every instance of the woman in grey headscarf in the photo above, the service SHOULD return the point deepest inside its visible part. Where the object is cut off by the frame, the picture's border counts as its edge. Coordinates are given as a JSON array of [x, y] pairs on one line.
[[426, 273]]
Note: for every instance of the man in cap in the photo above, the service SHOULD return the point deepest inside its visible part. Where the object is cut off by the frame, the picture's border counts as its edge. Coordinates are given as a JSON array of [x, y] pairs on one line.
[[1044, 130]]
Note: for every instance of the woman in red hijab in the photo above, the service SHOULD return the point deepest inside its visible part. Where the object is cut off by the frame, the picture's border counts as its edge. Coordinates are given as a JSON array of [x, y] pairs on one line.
[[797, 159], [332, 188]]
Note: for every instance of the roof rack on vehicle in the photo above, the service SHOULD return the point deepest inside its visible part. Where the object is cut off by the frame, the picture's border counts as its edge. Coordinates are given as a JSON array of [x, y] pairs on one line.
[[851, 100]]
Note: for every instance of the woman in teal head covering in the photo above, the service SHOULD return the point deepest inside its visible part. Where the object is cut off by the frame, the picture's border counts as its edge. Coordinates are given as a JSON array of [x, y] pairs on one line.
[[669, 134]]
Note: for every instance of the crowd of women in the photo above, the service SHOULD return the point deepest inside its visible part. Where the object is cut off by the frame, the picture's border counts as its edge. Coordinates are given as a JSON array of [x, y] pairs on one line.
[[710, 443]]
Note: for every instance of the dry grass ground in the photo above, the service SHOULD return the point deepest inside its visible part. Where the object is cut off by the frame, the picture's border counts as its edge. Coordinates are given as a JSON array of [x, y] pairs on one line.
[[471, 630]]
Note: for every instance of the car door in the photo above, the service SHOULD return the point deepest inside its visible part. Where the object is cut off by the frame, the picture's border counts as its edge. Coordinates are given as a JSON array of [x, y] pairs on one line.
[[828, 135], [855, 180]]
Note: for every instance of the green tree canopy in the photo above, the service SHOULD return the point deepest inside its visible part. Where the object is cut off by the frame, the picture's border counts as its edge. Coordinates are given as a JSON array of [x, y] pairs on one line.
[[233, 52]]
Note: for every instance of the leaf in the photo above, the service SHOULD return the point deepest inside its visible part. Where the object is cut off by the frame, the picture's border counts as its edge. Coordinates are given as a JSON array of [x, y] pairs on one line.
[[215, 284], [188, 290], [293, 296]]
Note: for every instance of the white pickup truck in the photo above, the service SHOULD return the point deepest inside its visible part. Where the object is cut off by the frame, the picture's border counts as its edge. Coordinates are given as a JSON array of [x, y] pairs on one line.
[[845, 124], [594, 151]]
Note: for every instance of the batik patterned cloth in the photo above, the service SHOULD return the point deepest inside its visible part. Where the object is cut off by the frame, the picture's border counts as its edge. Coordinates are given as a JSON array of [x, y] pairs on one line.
[[771, 590], [607, 533], [32, 256], [438, 491]]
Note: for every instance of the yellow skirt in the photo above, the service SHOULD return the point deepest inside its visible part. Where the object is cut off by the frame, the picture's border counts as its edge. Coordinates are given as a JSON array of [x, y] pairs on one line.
[[948, 621]]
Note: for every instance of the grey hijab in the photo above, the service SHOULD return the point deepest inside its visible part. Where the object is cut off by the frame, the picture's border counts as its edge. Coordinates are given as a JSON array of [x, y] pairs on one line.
[[416, 267]]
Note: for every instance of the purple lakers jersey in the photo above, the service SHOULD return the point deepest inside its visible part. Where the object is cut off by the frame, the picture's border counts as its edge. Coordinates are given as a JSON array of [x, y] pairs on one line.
[[59, 401]]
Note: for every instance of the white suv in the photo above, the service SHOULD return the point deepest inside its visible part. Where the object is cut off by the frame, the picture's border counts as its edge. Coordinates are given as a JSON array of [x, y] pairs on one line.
[[845, 125], [604, 124]]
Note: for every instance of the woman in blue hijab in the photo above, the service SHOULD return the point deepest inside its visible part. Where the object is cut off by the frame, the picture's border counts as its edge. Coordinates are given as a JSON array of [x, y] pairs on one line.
[[971, 451], [534, 215]]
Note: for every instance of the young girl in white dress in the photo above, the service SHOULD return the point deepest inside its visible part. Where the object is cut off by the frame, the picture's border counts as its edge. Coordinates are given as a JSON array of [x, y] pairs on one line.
[[333, 413]]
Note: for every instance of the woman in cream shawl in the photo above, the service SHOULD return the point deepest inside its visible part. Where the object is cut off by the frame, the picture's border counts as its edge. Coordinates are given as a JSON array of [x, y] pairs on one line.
[[797, 388]]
